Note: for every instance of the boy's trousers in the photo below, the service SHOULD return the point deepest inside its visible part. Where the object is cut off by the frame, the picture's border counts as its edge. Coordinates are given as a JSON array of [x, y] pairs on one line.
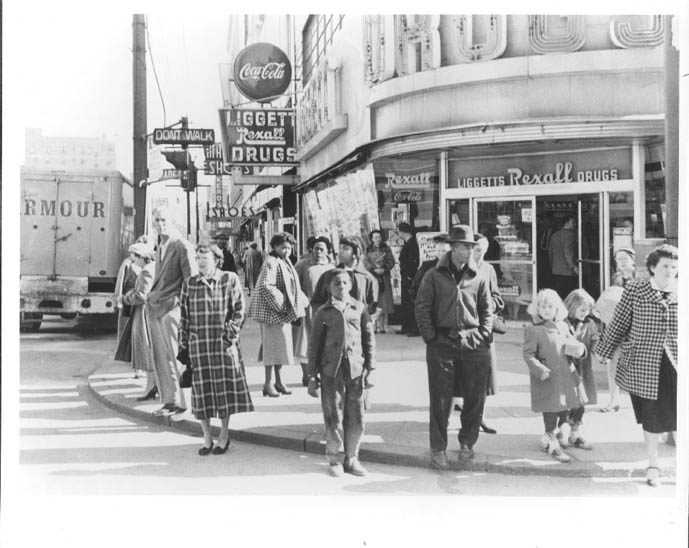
[[342, 401]]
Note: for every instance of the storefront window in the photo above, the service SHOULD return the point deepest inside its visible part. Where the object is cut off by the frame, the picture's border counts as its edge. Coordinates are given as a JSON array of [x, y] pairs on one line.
[[654, 182], [508, 225], [621, 224], [344, 207]]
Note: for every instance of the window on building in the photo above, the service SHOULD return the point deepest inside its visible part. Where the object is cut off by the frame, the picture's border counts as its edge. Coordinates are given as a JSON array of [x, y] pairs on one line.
[[315, 38], [654, 182]]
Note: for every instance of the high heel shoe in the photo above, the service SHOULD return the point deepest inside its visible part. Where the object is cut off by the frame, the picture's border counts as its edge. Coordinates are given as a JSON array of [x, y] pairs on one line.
[[270, 392], [281, 388], [152, 393], [218, 450]]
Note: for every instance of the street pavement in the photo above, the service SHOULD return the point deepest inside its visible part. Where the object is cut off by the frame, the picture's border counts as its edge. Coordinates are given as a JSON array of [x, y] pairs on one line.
[[397, 423]]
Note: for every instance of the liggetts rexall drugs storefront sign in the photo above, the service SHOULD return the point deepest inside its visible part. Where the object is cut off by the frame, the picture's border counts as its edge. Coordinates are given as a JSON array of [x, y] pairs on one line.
[[256, 137], [262, 72]]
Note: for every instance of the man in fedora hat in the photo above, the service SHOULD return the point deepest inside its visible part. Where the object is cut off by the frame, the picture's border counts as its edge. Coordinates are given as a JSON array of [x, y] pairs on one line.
[[454, 312]]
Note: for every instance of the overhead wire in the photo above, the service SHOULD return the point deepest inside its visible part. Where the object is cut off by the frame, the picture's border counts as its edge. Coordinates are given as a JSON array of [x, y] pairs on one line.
[[155, 73]]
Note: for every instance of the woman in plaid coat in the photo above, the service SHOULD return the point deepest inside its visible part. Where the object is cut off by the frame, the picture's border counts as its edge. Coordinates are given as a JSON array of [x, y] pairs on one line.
[[645, 327], [276, 302], [212, 314]]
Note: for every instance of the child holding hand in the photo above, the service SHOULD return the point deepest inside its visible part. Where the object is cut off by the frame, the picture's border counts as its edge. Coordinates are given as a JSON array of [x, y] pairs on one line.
[[548, 346], [341, 350], [584, 327]]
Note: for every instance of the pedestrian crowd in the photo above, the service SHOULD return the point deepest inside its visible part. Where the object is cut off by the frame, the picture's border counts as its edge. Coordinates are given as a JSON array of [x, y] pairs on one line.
[[184, 305]]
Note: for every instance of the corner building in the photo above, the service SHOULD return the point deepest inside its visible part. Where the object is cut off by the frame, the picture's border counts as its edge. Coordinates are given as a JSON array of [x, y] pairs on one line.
[[508, 123]]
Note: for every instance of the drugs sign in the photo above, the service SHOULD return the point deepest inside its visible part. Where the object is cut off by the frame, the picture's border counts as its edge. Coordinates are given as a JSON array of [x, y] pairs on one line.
[[259, 136]]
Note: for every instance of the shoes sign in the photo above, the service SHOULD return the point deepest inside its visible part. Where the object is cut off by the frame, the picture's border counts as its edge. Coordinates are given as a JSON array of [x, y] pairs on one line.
[[262, 72]]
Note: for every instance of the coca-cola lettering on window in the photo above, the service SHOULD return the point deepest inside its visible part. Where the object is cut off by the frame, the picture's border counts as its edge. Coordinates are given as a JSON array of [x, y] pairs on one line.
[[262, 72]]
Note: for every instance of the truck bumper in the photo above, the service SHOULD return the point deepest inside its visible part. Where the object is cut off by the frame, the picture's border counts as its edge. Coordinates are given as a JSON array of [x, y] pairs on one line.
[[62, 296]]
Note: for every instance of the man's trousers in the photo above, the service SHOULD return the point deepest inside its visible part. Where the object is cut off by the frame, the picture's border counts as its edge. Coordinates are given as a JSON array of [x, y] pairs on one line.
[[445, 359]]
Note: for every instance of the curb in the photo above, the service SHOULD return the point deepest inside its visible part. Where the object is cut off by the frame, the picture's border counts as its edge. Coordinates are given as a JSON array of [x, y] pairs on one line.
[[396, 455]]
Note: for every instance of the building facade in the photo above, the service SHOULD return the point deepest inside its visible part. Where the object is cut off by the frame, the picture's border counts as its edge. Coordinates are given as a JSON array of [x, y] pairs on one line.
[[65, 153], [509, 123]]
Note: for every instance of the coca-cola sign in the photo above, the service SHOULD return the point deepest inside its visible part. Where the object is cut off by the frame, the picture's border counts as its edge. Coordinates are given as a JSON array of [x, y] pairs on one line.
[[262, 72]]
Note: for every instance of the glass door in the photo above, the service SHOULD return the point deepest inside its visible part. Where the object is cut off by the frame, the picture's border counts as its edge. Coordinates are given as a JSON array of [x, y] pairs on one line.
[[509, 226], [590, 230]]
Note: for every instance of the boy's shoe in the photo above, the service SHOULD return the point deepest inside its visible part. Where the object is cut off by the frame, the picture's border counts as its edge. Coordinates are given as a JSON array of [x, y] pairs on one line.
[[556, 452], [465, 452], [576, 440], [353, 466], [336, 469], [439, 460]]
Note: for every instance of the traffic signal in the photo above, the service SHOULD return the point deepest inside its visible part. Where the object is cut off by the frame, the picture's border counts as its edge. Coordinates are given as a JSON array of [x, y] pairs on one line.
[[182, 161], [190, 179]]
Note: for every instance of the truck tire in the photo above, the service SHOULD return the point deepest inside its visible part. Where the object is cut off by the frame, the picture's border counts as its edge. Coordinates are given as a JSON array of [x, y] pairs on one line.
[[68, 316]]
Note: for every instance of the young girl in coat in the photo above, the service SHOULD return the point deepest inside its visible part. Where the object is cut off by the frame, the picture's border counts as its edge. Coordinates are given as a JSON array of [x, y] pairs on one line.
[[548, 346], [584, 327]]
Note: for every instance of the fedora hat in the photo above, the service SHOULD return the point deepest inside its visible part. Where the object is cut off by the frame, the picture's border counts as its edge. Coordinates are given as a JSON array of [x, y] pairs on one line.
[[462, 233], [443, 237]]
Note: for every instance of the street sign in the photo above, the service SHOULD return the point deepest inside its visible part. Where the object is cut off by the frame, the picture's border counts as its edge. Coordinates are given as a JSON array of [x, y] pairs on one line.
[[183, 136], [174, 173]]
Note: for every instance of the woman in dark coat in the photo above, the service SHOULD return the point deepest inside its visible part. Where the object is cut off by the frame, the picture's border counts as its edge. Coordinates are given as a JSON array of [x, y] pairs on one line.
[[212, 314], [645, 327], [380, 261]]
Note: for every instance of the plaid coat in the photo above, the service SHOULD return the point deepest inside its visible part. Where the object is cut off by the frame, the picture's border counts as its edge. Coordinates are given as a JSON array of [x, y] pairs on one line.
[[278, 297], [212, 313], [642, 325]]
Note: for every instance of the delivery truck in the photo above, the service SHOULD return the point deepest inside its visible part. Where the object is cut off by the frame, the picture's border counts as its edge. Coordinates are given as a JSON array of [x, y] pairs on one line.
[[75, 229]]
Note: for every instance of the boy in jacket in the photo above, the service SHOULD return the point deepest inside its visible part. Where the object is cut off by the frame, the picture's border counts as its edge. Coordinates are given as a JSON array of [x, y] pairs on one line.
[[341, 350]]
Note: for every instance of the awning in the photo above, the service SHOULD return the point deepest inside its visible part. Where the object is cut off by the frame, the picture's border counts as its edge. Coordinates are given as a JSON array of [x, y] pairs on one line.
[[357, 157]]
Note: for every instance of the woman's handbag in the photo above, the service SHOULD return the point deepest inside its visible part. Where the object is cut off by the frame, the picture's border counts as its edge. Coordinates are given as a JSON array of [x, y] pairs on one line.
[[499, 325], [185, 377]]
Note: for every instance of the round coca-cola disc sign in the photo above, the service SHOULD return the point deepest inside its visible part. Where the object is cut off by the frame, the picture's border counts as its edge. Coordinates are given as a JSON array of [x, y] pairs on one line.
[[262, 71]]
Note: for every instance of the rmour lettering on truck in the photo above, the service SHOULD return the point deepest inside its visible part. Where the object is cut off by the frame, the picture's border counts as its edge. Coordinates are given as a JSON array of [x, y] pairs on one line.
[[66, 208]]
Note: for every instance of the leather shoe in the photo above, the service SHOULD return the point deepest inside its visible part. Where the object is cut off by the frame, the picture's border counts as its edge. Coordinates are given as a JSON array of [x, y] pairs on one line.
[[219, 450], [488, 429], [465, 451], [281, 389], [335, 469], [150, 395], [353, 466], [169, 409], [205, 451], [439, 460]]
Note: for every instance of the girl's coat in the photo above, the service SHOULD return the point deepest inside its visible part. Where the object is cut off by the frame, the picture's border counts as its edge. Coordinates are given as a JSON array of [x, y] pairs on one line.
[[544, 349]]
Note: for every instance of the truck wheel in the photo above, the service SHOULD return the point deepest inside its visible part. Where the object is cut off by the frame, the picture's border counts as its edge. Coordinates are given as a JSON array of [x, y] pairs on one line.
[[68, 316]]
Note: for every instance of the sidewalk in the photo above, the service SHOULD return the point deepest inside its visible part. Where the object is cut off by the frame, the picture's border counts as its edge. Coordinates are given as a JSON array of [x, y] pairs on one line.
[[397, 423]]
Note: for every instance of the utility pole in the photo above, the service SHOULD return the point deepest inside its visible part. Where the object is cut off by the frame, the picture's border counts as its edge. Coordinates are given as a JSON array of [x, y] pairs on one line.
[[139, 135], [671, 133], [185, 124]]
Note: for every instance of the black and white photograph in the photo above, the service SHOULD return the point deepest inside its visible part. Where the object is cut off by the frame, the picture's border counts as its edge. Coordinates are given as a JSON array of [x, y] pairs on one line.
[[359, 279]]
